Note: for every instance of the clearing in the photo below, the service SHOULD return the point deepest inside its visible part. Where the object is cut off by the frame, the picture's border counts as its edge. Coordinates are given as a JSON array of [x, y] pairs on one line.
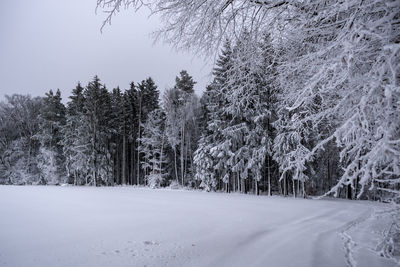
[[126, 226]]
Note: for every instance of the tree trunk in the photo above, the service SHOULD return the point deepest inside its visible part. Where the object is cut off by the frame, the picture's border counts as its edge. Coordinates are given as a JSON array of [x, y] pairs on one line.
[[187, 153], [29, 154], [161, 154], [329, 175], [279, 186], [118, 163], [176, 167], [294, 189], [284, 185], [138, 150], [132, 161], [349, 191], [269, 176], [124, 158], [182, 152], [94, 156]]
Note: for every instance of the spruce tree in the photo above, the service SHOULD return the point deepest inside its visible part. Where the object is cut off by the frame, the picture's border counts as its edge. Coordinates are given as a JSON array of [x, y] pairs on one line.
[[76, 141], [148, 98], [97, 113], [213, 151], [153, 146], [52, 120]]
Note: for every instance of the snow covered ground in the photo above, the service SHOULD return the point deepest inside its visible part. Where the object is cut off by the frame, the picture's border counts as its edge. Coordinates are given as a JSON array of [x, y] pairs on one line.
[[125, 226]]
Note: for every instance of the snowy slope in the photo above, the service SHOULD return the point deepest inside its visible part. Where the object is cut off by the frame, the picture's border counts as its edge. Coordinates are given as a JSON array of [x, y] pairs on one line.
[[84, 226]]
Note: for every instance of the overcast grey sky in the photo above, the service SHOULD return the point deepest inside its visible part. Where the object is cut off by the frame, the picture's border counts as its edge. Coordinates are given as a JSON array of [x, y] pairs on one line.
[[47, 44]]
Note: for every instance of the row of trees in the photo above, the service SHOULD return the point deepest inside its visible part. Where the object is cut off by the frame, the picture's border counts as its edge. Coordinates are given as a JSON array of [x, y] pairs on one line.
[[238, 137], [337, 77], [100, 137], [305, 100]]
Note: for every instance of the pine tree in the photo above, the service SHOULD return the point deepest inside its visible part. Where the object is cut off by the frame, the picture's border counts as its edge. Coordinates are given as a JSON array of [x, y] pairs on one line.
[[76, 140], [148, 96], [97, 113], [116, 124], [131, 105], [52, 120], [212, 153], [153, 146]]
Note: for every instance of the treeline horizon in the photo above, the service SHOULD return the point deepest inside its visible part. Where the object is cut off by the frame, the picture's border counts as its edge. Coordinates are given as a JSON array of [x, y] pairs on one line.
[[238, 136]]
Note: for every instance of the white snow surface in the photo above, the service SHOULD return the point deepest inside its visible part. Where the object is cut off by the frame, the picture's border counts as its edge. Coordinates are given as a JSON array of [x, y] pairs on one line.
[[126, 226]]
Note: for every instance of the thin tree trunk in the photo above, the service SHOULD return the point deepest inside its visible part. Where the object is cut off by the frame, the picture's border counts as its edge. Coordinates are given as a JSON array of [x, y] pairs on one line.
[[132, 161], [234, 182], [138, 150], [118, 163], [329, 175], [176, 167], [29, 154], [279, 186], [94, 156], [284, 185], [269, 177], [182, 152], [294, 189], [94, 177], [124, 158], [161, 154], [187, 153]]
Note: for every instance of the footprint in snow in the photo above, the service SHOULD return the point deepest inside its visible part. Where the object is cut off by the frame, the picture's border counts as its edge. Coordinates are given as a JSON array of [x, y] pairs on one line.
[[150, 243]]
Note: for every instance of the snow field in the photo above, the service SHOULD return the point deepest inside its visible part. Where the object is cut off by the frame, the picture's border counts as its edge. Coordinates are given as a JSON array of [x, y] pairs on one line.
[[126, 226]]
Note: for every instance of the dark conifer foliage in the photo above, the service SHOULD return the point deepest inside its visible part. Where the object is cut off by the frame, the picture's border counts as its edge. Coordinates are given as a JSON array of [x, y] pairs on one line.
[[51, 122]]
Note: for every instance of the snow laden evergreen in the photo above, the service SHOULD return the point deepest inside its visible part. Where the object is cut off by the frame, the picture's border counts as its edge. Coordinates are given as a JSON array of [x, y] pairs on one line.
[[51, 121], [212, 154], [97, 107], [153, 145], [338, 77], [76, 142], [237, 141], [148, 101]]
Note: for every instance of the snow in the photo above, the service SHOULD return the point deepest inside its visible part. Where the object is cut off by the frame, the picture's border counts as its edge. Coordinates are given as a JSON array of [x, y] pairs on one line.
[[126, 226]]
